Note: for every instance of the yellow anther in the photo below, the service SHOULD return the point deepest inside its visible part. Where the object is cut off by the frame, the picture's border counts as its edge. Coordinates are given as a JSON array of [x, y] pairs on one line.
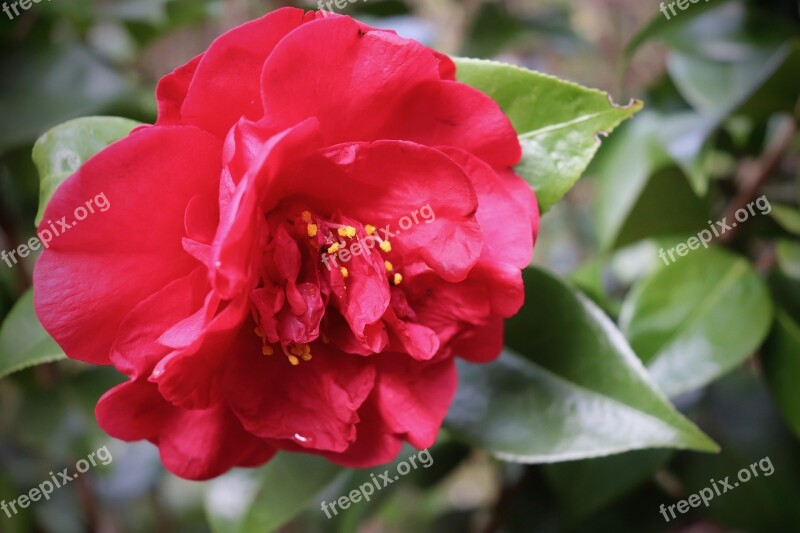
[[294, 360], [389, 266], [312, 230], [386, 246], [347, 231], [306, 216], [345, 273], [306, 357], [325, 339], [267, 350], [258, 331], [370, 229], [333, 248], [398, 278]]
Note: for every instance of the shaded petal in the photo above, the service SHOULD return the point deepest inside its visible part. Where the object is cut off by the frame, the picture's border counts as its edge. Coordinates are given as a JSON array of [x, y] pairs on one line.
[[413, 398], [481, 344], [507, 210], [191, 377], [314, 404], [375, 443], [236, 252], [171, 92], [195, 445]]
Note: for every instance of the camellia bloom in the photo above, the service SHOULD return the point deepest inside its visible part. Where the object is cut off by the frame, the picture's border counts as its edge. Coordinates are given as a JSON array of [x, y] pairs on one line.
[[217, 280]]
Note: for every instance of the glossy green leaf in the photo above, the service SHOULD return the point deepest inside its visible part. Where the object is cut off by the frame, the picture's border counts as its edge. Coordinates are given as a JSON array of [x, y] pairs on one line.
[[781, 363], [23, 341], [696, 319], [277, 493], [571, 389], [639, 184], [62, 150], [635, 149], [559, 123]]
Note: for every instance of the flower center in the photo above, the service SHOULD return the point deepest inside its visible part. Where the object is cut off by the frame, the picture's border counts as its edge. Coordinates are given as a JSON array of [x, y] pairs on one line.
[[307, 264]]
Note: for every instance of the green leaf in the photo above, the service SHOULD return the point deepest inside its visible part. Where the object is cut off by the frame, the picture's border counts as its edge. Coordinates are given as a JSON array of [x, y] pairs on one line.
[[787, 217], [60, 152], [696, 319], [781, 364], [638, 183], [788, 255], [23, 340], [572, 389], [717, 88], [636, 150], [559, 123], [283, 488], [661, 26]]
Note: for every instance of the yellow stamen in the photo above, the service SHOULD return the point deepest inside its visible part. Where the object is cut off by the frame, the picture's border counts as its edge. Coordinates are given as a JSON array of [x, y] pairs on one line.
[[389, 266], [312, 230], [398, 278], [345, 273], [259, 331], [294, 360], [333, 248], [267, 350], [306, 216], [370, 229], [386, 246], [305, 353], [325, 339], [347, 231]]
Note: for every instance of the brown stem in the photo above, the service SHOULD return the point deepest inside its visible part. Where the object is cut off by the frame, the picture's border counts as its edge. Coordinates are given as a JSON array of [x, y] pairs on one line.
[[752, 174]]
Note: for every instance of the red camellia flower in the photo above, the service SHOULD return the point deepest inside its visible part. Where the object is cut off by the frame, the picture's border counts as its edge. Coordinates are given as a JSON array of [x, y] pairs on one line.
[[320, 220]]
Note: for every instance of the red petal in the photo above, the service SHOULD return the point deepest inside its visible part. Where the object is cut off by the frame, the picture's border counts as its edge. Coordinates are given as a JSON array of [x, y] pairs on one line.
[[351, 84], [381, 182], [413, 398], [234, 60], [507, 210], [107, 263], [195, 445], [313, 404]]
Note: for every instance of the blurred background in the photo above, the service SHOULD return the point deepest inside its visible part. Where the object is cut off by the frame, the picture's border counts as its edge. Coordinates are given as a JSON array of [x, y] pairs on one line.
[[721, 83]]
